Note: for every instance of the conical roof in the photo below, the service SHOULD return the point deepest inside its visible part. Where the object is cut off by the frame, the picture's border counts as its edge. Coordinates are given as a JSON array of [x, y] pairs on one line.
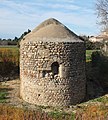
[[52, 30]]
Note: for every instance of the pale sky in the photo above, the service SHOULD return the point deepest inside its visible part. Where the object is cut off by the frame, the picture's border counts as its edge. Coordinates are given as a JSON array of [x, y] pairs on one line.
[[17, 16]]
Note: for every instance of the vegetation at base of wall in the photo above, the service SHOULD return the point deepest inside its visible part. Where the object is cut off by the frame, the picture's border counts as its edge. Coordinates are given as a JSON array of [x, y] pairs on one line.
[[3, 93], [3, 96]]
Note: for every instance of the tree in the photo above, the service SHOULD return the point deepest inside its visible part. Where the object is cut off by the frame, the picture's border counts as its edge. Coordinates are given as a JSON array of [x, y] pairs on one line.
[[89, 44], [21, 37], [25, 33], [102, 13]]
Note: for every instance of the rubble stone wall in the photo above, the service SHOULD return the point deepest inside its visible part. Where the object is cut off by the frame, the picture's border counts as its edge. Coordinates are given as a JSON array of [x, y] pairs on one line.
[[42, 83]]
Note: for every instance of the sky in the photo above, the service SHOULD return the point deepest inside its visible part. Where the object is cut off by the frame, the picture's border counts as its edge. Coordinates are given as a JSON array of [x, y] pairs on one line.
[[17, 16]]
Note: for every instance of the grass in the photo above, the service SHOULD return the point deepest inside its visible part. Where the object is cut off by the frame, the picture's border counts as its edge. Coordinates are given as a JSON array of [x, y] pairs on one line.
[[3, 96], [89, 112], [3, 93], [11, 53], [8, 46], [103, 99], [61, 115], [88, 55], [9, 58]]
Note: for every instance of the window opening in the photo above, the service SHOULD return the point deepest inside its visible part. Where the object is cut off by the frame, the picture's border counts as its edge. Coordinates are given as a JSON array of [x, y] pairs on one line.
[[55, 68]]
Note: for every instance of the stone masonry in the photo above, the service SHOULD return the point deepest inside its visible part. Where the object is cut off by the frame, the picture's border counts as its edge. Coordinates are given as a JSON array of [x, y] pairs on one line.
[[52, 68]]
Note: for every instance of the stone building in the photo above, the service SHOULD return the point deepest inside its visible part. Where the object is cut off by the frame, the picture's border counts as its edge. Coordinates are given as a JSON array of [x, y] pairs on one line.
[[103, 36], [52, 66]]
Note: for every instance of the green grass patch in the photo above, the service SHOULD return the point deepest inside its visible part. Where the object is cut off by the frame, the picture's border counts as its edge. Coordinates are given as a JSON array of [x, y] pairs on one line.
[[3, 96], [61, 115], [89, 54], [102, 99], [3, 93]]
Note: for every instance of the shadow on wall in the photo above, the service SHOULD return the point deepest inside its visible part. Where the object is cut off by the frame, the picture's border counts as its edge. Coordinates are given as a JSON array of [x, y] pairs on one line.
[[97, 76]]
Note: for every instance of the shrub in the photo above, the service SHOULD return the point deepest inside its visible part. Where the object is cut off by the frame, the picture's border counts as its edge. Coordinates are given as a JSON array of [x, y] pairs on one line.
[[89, 45], [100, 61], [95, 58]]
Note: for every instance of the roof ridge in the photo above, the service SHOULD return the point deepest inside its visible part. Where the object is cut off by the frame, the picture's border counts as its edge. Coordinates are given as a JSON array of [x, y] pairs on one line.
[[46, 23], [52, 28]]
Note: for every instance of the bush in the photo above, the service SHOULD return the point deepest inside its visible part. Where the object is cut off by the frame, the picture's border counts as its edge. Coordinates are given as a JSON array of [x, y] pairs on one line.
[[101, 63], [89, 45], [97, 45], [95, 58]]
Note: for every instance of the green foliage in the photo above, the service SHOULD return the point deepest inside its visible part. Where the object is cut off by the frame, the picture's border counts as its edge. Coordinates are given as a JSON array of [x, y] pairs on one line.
[[97, 45], [73, 116], [95, 58], [100, 62], [3, 96], [89, 45], [103, 99], [25, 33], [89, 55]]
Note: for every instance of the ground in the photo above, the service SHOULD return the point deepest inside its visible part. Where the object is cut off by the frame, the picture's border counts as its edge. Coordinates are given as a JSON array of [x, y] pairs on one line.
[[13, 94], [13, 97]]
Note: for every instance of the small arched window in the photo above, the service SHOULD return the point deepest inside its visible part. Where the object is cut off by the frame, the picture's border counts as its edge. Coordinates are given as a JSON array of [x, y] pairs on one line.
[[55, 68]]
